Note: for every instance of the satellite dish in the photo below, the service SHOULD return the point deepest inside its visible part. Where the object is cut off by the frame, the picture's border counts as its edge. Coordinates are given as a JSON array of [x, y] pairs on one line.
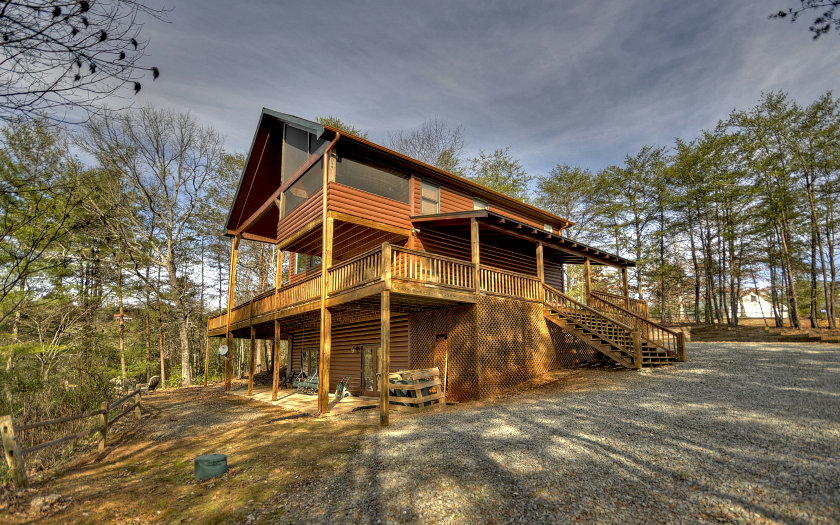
[[223, 350]]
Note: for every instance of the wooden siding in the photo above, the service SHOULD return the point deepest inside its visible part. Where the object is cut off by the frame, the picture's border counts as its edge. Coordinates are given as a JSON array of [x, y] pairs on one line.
[[435, 241], [350, 240], [343, 362], [554, 275], [451, 200], [307, 212], [366, 205]]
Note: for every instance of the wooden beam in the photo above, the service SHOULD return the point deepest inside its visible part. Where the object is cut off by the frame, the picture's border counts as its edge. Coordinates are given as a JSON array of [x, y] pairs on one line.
[[251, 359], [275, 383], [369, 223], [234, 256], [475, 253], [587, 281], [540, 270], [278, 273], [300, 233], [327, 231], [625, 288], [385, 364]]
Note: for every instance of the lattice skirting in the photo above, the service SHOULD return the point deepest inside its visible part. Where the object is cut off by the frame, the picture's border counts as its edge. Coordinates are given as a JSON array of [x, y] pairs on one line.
[[491, 346]]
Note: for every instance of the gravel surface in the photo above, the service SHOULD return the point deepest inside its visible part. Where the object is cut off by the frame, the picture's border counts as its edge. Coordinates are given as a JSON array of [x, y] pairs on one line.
[[742, 433]]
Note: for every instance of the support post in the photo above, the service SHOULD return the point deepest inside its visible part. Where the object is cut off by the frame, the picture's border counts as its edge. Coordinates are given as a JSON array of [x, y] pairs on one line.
[[11, 449], [207, 361], [475, 254], [587, 281], [385, 364], [637, 347], [251, 359], [327, 228], [103, 426], [234, 255], [681, 346], [540, 270], [275, 383], [625, 288]]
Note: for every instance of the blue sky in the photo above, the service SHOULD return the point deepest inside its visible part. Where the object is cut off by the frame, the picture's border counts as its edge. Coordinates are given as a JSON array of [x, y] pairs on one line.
[[580, 83]]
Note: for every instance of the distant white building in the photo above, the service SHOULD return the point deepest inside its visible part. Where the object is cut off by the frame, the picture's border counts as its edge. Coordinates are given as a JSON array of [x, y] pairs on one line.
[[755, 305]]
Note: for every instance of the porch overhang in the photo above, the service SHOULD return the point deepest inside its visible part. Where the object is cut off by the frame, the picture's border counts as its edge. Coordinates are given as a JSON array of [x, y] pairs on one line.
[[574, 252]]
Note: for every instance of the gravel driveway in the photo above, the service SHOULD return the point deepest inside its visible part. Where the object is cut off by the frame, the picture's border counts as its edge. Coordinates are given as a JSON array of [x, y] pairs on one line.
[[742, 433]]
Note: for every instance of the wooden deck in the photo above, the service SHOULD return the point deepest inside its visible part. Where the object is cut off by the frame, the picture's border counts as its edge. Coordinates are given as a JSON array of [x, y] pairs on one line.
[[416, 280]]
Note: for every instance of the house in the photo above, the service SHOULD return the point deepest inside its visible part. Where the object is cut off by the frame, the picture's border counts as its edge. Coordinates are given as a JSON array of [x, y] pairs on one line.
[[399, 265]]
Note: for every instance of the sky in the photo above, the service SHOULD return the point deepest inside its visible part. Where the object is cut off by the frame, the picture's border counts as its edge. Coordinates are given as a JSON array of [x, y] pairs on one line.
[[580, 83]]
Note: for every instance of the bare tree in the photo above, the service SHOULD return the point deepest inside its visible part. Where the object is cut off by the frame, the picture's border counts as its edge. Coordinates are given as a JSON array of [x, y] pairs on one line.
[[435, 142], [64, 57], [825, 20], [165, 162]]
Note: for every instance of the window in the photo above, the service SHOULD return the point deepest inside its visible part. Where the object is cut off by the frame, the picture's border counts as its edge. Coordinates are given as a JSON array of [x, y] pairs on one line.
[[479, 204], [372, 179], [296, 151], [429, 198], [547, 227], [303, 188], [305, 262]]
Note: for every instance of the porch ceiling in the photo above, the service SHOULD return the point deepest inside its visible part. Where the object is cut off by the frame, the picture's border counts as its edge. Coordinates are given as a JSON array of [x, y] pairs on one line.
[[505, 231]]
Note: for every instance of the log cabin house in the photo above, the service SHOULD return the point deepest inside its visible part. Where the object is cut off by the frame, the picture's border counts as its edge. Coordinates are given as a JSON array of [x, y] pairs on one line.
[[395, 264]]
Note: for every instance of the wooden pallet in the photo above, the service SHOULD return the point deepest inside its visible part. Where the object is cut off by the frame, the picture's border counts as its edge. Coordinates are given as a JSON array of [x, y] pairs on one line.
[[416, 389]]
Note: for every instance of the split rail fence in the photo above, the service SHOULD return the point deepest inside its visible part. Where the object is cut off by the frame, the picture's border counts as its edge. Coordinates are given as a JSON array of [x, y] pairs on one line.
[[15, 454]]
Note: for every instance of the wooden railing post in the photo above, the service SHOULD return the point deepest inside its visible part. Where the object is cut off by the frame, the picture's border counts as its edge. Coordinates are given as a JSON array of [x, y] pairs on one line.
[[385, 360], [137, 413], [475, 254], [103, 426], [680, 346], [637, 347], [11, 449], [540, 271], [386, 265]]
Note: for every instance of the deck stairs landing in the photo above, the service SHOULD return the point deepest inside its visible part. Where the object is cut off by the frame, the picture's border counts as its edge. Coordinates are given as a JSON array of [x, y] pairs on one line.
[[622, 335]]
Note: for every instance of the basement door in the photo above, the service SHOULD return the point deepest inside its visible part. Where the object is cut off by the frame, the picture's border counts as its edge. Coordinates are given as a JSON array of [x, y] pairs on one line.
[[370, 370]]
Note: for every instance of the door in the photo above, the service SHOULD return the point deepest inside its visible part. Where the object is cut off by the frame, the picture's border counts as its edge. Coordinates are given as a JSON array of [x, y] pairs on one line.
[[370, 371]]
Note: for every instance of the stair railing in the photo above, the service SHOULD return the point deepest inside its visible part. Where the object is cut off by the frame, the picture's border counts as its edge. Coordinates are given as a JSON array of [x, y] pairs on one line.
[[669, 340], [637, 306], [620, 335]]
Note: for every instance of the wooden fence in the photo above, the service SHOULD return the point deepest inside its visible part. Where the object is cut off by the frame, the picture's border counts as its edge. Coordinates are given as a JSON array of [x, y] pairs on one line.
[[509, 284], [15, 455]]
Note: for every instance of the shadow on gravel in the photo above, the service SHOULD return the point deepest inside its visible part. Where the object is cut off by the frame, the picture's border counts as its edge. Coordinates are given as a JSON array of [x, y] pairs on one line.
[[740, 433]]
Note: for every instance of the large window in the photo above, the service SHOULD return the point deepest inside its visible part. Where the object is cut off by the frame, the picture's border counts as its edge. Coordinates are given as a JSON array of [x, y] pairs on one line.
[[429, 198], [305, 262], [372, 179], [295, 152], [303, 188]]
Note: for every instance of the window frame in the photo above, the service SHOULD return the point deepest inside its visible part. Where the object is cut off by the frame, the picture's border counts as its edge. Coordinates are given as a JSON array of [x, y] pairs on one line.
[[484, 205], [424, 199]]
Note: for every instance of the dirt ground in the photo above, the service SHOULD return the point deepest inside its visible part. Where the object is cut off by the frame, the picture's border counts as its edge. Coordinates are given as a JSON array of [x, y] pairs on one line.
[[145, 475]]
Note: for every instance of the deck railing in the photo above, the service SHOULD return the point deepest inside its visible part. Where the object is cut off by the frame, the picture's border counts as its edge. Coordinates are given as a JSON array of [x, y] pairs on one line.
[[240, 312], [509, 284], [357, 271], [264, 303], [637, 306], [424, 267], [298, 292], [217, 322], [650, 331]]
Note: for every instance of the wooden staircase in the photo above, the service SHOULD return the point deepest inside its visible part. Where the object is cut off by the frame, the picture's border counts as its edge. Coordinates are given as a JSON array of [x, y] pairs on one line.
[[624, 336]]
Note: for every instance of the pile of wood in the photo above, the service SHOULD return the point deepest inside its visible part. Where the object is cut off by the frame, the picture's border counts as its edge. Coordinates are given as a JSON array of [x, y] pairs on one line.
[[416, 389]]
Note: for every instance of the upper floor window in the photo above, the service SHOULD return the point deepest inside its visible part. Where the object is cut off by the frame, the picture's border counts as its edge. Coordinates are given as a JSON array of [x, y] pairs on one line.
[[547, 227], [429, 198], [372, 179], [303, 188], [479, 204]]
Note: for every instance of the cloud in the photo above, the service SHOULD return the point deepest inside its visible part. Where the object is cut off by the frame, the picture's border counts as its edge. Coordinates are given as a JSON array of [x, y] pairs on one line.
[[582, 84]]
